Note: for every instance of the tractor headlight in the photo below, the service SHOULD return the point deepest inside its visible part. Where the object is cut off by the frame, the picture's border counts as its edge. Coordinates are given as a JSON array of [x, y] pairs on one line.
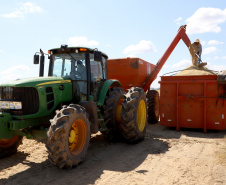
[[10, 105]]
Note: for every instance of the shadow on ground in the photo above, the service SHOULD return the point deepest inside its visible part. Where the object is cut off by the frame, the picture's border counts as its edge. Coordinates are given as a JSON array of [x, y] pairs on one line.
[[17, 158], [101, 156]]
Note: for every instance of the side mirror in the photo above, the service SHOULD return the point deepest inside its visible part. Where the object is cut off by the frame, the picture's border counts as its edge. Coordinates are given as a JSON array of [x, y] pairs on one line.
[[36, 59], [98, 56]]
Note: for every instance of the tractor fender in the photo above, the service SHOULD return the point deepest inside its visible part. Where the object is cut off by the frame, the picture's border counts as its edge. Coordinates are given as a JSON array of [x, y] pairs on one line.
[[105, 87]]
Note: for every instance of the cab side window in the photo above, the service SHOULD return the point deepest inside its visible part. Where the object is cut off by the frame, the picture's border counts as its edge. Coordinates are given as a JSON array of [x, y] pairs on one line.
[[96, 70]]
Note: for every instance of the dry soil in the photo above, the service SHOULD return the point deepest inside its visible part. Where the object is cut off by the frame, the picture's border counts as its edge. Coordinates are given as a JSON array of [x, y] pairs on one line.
[[164, 157]]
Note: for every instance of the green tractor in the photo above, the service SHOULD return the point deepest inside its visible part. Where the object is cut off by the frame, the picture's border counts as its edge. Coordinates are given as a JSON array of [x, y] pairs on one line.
[[74, 101]]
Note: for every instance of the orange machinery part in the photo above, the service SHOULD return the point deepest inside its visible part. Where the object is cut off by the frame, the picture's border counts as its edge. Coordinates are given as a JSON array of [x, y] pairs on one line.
[[131, 72], [137, 72], [191, 102]]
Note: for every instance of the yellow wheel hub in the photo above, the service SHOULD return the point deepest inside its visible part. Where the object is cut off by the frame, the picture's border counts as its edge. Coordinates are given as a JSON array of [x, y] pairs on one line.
[[72, 136], [141, 115], [118, 111], [77, 137]]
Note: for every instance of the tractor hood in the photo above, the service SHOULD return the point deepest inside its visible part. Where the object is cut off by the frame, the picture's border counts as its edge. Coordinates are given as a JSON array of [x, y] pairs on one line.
[[35, 82]]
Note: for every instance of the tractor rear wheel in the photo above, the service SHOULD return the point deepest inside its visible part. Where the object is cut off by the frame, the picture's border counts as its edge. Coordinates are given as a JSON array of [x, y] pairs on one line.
[[9, 146], [112, 113], [68, 136], [134, 115], [153, 106]]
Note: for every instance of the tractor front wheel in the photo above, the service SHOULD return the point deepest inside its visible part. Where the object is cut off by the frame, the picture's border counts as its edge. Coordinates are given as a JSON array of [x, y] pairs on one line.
[[9, 146], [68, 136]]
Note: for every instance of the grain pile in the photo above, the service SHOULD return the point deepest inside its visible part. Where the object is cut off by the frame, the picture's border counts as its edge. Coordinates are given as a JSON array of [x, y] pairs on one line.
[[195, 71]]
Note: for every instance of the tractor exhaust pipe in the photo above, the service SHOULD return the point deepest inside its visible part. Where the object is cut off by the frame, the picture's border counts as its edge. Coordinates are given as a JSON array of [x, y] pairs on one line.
[[42, 62]]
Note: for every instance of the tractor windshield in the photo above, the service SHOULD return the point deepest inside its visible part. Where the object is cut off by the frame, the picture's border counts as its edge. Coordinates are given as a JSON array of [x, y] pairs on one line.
[[73, 66]]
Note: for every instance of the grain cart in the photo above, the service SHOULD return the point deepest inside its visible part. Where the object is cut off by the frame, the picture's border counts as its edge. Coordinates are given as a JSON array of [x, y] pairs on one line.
[[75, 100], [140, 73]]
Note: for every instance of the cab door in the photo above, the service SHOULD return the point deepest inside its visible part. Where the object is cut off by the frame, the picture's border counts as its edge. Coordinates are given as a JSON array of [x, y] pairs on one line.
[[98, 76]]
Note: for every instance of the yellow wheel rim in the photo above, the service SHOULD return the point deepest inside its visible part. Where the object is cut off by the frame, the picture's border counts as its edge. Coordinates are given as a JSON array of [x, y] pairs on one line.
[[118, 111], [77, 137], [141, 115], [4, 143]]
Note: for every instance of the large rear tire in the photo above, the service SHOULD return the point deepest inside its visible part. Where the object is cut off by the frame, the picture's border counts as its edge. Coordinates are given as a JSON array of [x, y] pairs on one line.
[[153, 106], [134, 115], [68, 136], [9, 146], [112, 113]]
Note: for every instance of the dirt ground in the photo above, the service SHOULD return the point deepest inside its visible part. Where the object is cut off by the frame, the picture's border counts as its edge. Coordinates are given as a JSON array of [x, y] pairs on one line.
[[164, 157]]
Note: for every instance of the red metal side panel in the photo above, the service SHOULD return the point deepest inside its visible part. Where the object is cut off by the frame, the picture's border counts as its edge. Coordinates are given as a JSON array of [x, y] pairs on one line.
[[191, 102], [190, 110], [216, 111], [129, 71], [168, 104]]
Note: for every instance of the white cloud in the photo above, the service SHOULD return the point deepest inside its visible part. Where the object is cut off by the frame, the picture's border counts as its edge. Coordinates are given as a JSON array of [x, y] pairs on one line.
[[13, 73], [82, 41], [224, 57], [214, 42], [26, 8], [16, 68], [206, 20], [142, 47], [30, 8], [209, 50], [182, 64], [155, 83], [178, 20], [166, 66], [216, 67], [16, 14], [203, 43], [0, 50]]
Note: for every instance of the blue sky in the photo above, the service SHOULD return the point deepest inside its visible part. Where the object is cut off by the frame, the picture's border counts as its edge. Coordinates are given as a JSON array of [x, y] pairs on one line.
[[143, 29]]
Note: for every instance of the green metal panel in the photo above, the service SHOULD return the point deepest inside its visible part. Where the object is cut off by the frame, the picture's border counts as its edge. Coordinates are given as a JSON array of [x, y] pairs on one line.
[[105, 87], [22, 125], [33, 82], [10, 127], [41, 83], [5, 133]]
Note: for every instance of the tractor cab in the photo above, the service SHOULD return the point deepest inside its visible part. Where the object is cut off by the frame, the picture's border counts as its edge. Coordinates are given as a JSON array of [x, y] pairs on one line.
[[85, 67]]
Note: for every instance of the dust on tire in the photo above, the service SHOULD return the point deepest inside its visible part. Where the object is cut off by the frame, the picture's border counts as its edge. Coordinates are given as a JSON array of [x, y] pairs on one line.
[[131, 129], [58, 136], [114, 97]]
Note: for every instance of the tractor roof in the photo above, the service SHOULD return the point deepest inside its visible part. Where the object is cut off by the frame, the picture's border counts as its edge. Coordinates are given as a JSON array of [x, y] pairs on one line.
[[73, 50]]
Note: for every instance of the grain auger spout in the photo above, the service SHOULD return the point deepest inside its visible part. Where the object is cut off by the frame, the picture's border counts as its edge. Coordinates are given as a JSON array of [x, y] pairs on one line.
[[181, 34]]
